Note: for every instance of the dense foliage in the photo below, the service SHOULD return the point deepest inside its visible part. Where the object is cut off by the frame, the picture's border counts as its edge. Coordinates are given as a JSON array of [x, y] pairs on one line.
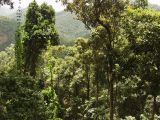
[[111, 75], [20, 99], [38, 30]]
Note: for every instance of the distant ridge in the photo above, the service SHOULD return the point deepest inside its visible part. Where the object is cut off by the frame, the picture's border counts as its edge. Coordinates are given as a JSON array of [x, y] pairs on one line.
[[67, 26]]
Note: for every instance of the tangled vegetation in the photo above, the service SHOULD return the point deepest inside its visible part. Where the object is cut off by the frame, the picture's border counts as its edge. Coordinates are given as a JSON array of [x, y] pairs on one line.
[[111, 75]]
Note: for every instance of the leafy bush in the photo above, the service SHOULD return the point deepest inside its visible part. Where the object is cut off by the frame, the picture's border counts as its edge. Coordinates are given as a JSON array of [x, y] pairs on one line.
[[21, 99]]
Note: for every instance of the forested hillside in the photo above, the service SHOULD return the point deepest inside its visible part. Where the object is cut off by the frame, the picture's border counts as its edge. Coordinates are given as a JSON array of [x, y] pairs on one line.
[[7, 31], [111, 72], [69, 28], [68, 32]]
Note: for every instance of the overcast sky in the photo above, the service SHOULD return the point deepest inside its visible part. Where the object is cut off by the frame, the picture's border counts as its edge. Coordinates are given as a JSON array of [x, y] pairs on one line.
[[155, 2], [24, 3], [58, 6]]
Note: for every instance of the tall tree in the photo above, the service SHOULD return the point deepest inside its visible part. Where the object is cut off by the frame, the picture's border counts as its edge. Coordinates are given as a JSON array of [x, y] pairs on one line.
[[85, 58], [107, 14], [38, 29], [144, 42], [32, 33]]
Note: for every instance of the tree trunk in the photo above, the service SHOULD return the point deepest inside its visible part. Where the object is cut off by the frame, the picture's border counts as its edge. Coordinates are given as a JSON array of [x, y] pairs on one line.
[[111, 101], [111, 85], [154, 107], [51, 73], [33, 69], [88, 82], [97, 89]]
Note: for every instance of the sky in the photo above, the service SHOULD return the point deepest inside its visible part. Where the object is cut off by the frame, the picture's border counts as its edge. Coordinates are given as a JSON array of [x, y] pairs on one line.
[[57, 6], [24, 3], [155, 2]]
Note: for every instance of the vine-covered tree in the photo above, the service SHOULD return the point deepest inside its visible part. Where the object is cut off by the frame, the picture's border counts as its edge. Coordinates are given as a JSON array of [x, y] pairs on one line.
[[38, 30]]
